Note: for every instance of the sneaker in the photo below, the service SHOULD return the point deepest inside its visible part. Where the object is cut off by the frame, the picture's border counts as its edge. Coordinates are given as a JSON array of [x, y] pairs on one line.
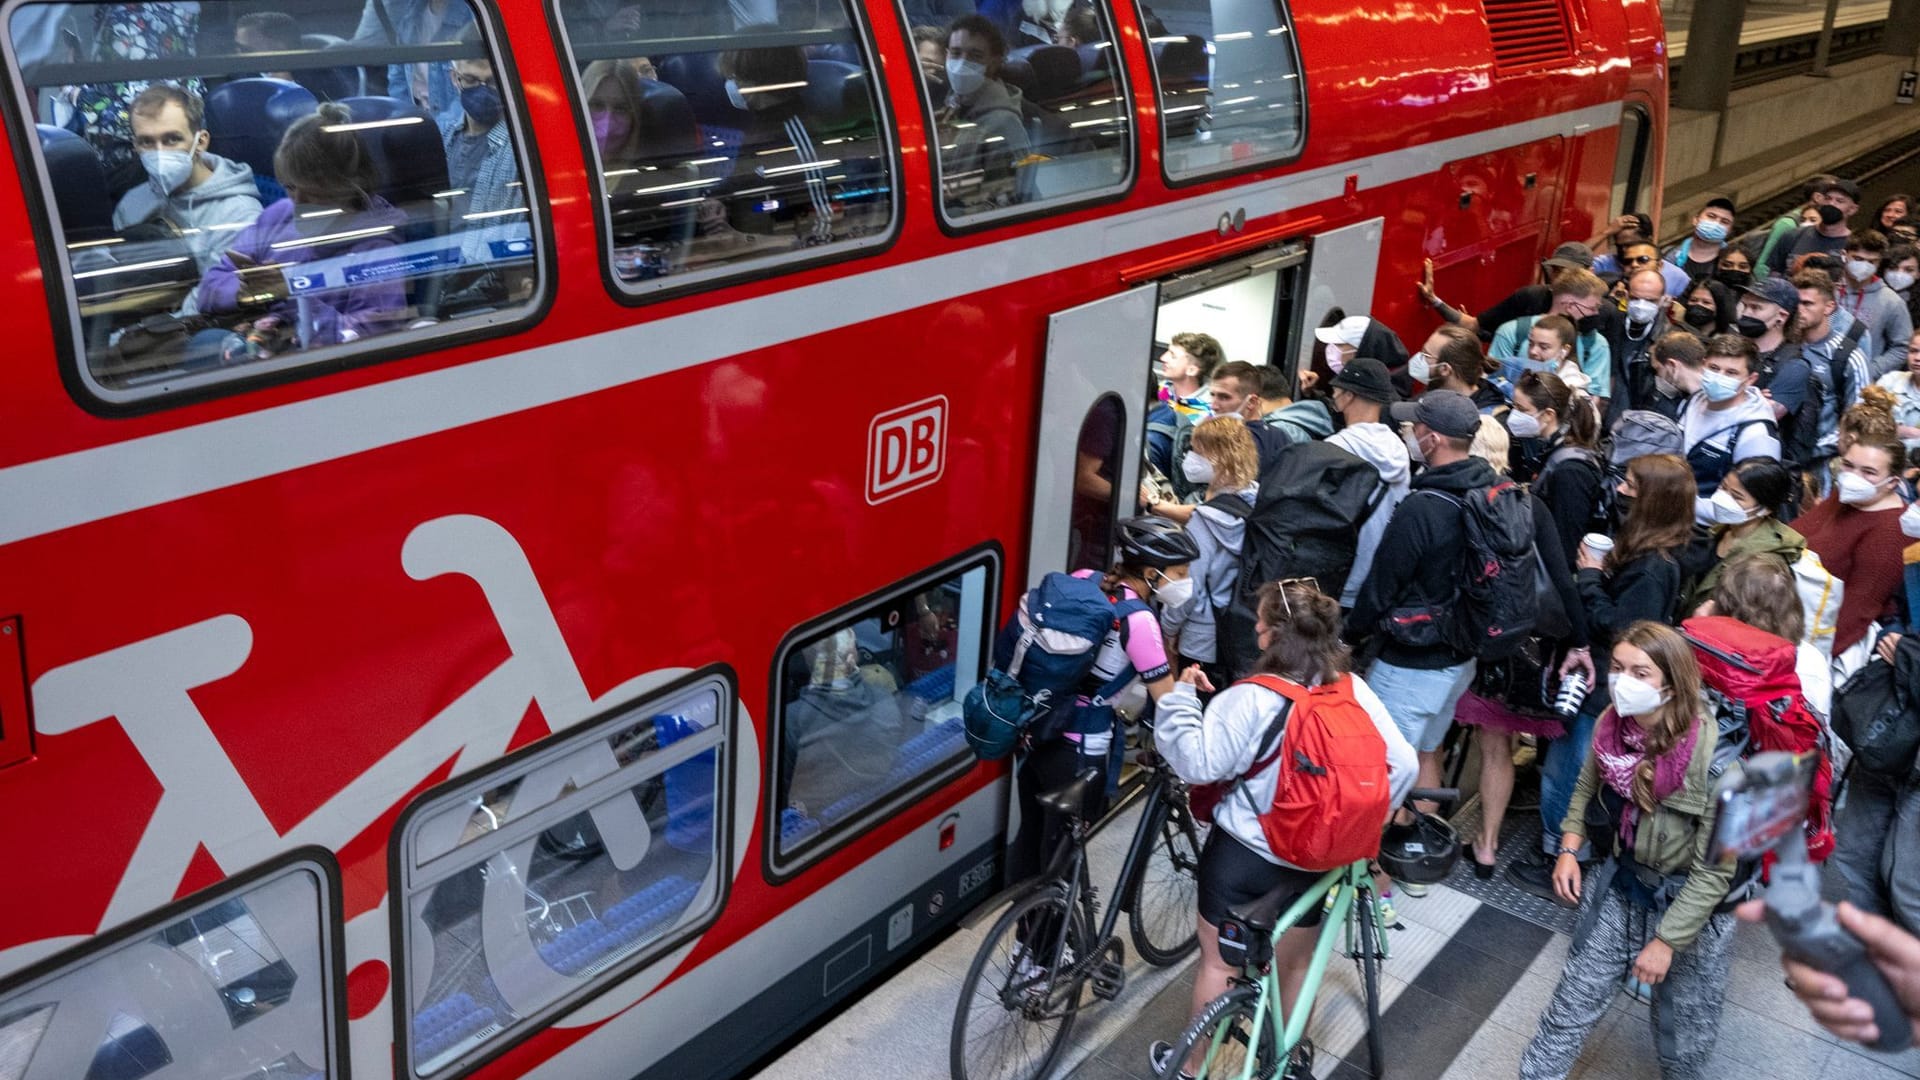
[[1535, 878], [1411, 889], [1389, 915], [1159, 1056]]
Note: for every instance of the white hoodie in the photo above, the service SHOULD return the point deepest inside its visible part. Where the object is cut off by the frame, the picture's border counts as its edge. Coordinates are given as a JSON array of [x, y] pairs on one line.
[[1698, 424], [1379, 446]]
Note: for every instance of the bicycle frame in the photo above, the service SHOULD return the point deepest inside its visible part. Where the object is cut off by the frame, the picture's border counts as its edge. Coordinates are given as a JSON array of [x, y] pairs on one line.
[[1288, 1030]]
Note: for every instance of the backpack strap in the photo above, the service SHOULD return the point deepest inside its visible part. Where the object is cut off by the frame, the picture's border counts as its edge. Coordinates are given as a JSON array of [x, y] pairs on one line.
[[1231, 505], [1267, 751]]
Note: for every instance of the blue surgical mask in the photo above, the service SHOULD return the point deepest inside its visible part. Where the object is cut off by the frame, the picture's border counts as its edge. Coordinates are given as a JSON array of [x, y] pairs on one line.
[[1711, 231], [482, 105], [1719, 387]]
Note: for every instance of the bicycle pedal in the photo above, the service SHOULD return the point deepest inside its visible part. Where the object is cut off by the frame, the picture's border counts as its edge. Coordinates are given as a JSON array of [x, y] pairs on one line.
[[1107, 979]]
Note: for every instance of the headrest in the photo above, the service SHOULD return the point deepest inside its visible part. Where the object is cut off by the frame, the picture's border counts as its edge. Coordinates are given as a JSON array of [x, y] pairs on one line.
[[697, 76], [410, 158], [79, 181], [1186, 58], [1056, 69], [835, 93], [1018, 73], [1095, 59], [673, 135], [247, 117]]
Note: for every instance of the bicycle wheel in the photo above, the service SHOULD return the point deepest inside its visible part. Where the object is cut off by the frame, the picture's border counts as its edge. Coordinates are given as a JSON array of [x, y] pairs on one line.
[[1225, 1028], [1012, 1019], [1369, 917], [1162, 896]]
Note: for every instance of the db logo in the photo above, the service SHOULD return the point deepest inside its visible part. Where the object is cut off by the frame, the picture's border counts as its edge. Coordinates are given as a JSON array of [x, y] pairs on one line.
[[906, 449]]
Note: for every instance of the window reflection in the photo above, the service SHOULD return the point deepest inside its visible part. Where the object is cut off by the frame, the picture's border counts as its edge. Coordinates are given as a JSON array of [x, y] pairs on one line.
[[1230, 88]]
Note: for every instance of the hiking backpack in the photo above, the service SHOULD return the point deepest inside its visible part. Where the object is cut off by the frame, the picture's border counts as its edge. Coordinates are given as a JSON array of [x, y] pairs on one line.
[[1753, 688], [1332, 795], [1497, 604], [1043, 659], [1306, 519], [1642, 431]]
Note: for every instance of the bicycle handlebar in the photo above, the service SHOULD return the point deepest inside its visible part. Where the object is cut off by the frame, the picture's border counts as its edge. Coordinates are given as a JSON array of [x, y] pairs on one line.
[[1433, 794]]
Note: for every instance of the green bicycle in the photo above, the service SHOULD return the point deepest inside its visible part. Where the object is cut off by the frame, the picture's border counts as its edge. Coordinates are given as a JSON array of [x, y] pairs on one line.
[[1244, 1031]]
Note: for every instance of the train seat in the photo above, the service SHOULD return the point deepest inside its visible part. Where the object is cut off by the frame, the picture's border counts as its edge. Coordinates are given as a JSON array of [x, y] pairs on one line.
[[246, 119], [1056, 71], [79, 183]]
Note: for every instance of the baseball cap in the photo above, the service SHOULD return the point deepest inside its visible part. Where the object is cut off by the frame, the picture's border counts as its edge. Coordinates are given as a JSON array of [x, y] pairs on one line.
[[1347, 331], [1448, 412], [1775, 290], [1572, 254], [1845, 187], [1367, 378]]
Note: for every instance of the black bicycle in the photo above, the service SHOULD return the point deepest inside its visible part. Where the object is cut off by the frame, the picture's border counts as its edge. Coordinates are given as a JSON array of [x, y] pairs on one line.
[[1024, 990]]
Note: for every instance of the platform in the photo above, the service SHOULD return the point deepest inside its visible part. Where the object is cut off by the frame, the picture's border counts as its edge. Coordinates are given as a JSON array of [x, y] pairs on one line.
[[1471, 967]]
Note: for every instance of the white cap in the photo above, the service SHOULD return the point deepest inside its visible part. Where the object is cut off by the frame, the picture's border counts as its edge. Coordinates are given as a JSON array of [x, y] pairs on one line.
[[1347, 331]]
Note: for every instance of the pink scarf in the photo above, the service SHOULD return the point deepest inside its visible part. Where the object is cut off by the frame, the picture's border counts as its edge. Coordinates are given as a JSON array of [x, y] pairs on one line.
[[1618, 747]]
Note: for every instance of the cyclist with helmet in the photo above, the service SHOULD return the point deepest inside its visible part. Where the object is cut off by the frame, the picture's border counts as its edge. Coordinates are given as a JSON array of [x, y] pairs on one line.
[[1299, 633], [1152, 569]]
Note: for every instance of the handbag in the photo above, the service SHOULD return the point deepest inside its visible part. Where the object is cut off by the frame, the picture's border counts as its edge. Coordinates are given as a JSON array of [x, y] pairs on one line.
[[1875, 714]]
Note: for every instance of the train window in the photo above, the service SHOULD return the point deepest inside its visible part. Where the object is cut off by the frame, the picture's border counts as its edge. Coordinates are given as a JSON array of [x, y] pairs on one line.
[[237, 192], [1096, 470], [1630, 160], [729, 137], [1028, 106], [868, 707], [242, 983], [563, 869], [1231, 96]]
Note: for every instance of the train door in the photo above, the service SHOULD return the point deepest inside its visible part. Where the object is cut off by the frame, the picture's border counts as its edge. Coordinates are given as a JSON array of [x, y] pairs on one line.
[[1341, 275]]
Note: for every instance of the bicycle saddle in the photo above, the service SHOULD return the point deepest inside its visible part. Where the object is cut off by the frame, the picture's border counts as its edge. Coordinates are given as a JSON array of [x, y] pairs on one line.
[[1264, 912], [1071, 797]]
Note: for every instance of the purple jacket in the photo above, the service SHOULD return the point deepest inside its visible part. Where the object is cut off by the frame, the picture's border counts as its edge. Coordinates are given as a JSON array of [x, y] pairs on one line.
[[338, 314]]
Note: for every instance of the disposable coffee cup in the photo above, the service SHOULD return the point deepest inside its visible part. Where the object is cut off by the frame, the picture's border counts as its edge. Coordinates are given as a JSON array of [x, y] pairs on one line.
[[1598, 545]]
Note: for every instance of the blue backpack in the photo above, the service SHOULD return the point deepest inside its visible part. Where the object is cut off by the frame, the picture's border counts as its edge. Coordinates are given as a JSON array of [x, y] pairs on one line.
[[1043, 660]]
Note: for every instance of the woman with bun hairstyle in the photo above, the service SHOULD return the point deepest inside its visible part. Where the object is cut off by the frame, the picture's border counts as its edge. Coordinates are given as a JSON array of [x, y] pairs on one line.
[[1745, 516], [1651, 907], [1856, 529]]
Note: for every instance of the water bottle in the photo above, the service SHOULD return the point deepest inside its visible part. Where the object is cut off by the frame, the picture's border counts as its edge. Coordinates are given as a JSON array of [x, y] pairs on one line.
[[1573, 692]]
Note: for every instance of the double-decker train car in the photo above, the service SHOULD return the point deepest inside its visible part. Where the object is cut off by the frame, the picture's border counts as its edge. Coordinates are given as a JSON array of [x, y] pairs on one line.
[[499, 502]]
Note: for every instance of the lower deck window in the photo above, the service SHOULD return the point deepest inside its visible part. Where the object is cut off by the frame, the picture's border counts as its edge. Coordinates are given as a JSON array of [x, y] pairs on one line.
[[869, 707], [533, 886]]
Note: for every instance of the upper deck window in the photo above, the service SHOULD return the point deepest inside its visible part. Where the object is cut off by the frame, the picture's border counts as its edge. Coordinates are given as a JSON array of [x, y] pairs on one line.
[[1231, 96], [235, 192], [1027, 104], [729, 137]]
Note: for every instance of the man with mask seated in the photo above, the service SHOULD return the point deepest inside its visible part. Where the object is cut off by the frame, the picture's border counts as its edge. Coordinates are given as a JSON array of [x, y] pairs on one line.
[[207, 198], [983, 136], [480, 162]]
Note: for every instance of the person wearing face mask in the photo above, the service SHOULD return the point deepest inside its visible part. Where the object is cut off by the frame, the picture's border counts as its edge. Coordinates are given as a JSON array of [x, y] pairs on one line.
[[1710, 309], [1564, 467], [1835, 202], [1678, 361], [1639, 580], [1356, 335], [330, 212], [1652, 907], [1902, 268], [1451, 359], [1782, 227], [1736, 268], [1728, 421], [1645, 323], [1362, 392], [1871, 300], [1766, 318], [1580, 296], [1150, 573], [983, 138], [1223, 464], [1421, 681], [1904, 386], [480, 161], [1526, 300], [1699, 254], [1856, 529], [207, 198], [1745, 521]]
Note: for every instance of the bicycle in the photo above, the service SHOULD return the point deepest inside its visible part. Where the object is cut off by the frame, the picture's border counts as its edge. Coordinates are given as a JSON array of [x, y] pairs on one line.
[[1042, 953], [1246, 1035]]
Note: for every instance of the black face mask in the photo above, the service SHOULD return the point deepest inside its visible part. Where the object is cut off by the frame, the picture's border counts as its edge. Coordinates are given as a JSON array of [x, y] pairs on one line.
[[1750, 327], [1733, 279], [1622, 507], [1700, 317], [1830, 215], [1590, 324]]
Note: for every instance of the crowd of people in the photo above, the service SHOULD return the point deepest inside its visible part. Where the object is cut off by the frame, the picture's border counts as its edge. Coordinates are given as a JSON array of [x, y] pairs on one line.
[[1707, 437]]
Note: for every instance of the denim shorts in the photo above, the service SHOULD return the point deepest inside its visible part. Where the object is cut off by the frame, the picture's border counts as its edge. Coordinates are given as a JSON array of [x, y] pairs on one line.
[[1421, 701]]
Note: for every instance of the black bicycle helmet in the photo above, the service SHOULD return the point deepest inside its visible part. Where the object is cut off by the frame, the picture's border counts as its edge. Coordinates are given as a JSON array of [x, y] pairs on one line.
[[1153, 541], [1422, 853]]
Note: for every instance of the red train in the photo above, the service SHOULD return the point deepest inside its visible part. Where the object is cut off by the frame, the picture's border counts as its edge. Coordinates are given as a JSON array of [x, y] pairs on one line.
[[490, 597]]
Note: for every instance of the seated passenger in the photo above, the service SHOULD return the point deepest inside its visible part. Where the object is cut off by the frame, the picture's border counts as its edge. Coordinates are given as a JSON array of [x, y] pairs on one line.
[[840, 732], [930, 49], [983, 138], [1079, 26], [613, 110], [767, 83], [480, 162], [279, 32], [206, 197], [329, 213]]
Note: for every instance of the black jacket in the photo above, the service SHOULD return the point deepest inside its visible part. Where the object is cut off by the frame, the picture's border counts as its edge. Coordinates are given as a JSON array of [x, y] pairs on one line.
[[1559, 568], [1571, 488], [1646, 588], [1420, 558]]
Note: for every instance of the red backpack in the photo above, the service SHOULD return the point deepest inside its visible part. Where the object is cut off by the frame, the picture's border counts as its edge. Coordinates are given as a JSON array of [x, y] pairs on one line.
[[1754, 689], [1332, 796]]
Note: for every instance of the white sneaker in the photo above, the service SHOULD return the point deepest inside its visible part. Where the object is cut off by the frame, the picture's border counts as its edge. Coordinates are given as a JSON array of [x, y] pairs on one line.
[[1408, 888]]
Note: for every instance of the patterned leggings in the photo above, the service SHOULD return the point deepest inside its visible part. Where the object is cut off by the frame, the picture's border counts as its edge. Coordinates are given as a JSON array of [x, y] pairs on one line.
[[1686, 1007]]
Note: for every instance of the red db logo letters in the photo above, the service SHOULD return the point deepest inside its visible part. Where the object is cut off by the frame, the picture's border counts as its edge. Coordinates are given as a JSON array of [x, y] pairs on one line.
[[906, 449]]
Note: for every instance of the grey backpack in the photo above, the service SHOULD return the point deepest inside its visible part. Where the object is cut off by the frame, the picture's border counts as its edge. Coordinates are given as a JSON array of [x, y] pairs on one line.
[[1642, 431]]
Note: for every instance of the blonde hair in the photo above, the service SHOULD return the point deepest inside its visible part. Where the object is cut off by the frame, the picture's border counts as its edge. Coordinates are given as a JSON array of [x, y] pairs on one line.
[[1491, 444], [1225, 441]]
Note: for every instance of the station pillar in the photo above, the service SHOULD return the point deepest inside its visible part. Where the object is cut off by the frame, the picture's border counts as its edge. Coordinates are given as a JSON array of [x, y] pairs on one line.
[[1713, 38], [1903, 28]]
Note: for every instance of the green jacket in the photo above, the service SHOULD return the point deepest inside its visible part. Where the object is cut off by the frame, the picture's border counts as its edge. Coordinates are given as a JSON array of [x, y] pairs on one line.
[[1771, 538], [1672, 840]]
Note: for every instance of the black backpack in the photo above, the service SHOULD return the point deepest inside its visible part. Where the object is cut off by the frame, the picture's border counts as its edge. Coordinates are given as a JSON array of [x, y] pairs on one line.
[[1799, 430], [1305, 522], [1498, 604], [1877, 714], [1599, 519]]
